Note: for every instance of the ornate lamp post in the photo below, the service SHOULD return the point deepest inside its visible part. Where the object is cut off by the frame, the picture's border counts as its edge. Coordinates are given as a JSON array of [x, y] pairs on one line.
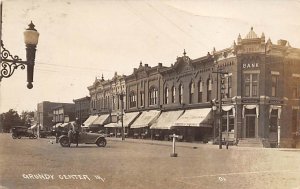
[[10, 63]]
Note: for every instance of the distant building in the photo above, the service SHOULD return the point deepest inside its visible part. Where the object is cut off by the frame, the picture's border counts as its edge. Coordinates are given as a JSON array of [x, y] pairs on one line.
[[49, 112], [82, 108], [63, 113]]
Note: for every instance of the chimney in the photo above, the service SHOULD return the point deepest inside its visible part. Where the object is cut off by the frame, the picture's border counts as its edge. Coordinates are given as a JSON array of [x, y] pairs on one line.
[[160, 65], [146, 65]]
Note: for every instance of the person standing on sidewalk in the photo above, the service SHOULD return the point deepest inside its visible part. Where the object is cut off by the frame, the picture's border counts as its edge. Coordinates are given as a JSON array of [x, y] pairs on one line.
[[70, 136]]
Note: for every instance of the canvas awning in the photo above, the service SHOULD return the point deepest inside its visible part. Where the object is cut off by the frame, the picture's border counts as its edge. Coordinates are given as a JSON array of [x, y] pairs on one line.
[[128, 118], [145, 119], [195, 118], [101, 120], [111, 125], [166, 119], [90, 120]]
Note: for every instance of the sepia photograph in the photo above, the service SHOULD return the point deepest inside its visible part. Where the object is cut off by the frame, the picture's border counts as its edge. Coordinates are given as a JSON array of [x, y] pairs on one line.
[[149, 94]]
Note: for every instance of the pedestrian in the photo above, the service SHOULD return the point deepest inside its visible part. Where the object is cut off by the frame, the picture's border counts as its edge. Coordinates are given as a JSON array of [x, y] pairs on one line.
[[76, 137], [70, 136]]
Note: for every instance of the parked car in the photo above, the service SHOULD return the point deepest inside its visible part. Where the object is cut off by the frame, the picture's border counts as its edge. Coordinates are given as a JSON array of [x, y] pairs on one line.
[[84, 138], [22, 131]]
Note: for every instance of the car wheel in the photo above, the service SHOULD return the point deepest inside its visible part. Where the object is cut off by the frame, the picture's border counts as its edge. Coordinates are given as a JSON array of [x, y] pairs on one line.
[[14, 136], [64, 142], [35, 137], [101, 142], [19, 137]]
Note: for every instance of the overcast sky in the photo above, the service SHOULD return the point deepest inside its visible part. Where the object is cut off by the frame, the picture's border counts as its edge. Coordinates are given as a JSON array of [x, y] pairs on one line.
[[81, 40]]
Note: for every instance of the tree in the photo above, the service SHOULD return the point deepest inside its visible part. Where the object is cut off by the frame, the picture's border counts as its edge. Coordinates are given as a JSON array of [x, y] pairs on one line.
[[9, 120], [27, 117]]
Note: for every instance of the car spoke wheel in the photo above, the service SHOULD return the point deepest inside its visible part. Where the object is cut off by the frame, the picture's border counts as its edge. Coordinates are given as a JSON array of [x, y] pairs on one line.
[[101, 142], [64, 142]]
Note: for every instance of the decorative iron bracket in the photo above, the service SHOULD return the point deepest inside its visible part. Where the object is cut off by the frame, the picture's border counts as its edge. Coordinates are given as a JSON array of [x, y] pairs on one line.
[[9, 63]]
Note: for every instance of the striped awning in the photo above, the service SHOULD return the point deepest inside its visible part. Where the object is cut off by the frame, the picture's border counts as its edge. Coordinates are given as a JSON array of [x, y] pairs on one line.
[[101, 120], [166, 119], [195, 118], [145, 119], [90, 120]]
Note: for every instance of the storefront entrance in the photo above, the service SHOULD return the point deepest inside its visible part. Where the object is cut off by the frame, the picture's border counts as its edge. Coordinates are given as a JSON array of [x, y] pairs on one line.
[[250, 126]]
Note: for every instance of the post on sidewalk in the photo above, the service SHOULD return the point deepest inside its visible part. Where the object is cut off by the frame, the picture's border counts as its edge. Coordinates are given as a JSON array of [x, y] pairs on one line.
[[173, 154]]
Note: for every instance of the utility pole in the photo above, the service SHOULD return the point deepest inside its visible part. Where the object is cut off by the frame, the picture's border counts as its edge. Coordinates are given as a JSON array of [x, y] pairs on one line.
[[220, 88]]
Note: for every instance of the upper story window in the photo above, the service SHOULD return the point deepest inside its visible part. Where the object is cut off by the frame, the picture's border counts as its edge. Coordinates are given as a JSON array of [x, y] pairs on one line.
[[274, 85], [153, 96], [132, 99], [142, 98], [166, 93], [296, 86], [173, 94], [251, 85], [209, 88], [200, 91], [180, 94], [229, 86], [192, 91]]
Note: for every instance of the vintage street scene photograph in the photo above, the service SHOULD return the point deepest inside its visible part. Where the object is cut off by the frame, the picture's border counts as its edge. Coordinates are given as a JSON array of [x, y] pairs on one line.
[[162, 94]]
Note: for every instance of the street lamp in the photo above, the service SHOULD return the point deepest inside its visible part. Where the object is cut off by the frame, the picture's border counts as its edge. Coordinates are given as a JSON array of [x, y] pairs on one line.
[[121, 96], [10, 63]]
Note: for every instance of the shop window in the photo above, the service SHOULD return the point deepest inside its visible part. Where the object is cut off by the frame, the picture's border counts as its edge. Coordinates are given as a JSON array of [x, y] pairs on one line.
[[200, 91], [228, 121], [296, 87]]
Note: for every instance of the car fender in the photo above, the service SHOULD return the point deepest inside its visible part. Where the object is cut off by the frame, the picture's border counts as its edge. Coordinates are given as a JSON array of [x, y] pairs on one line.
[[99, 138], [61, 136]]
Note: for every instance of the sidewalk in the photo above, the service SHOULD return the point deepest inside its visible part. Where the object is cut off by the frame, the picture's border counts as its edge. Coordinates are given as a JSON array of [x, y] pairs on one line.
[[166, 143], [192, 145]]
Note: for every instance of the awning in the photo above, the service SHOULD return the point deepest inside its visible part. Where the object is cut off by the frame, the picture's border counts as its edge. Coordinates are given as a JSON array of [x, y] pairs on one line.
[[90, 120], [195, 118], [128, 118], [145, 119], [101, 120], [166, 119], [111, 125]]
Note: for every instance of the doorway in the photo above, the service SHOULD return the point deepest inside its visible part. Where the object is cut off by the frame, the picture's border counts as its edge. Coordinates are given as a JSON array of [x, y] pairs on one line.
[[250, 126]]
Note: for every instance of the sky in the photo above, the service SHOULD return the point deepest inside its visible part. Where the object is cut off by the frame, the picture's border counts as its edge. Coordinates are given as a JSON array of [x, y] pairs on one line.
[[83, 39]]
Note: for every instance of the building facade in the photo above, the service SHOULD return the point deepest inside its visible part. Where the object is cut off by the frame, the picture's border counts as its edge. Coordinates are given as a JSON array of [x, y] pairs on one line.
[[63, 113], [254, 82]]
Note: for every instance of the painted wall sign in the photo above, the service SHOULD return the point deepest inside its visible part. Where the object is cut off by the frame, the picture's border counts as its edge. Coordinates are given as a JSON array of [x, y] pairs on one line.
[[250, 65]]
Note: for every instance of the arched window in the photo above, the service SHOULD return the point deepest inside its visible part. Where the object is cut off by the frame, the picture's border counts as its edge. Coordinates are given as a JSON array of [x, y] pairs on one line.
[[200, 91], [180, 94], [166, 99], [192, 91], [209, 87], [173, 94], [153, 96], [132, 99]]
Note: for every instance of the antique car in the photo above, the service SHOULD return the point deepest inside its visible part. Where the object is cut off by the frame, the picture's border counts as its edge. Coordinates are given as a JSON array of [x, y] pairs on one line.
[[84, 137], [22, 131]]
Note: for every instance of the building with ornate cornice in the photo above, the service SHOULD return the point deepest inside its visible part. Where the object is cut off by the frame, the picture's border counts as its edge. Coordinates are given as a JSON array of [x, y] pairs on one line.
[[260, 95]]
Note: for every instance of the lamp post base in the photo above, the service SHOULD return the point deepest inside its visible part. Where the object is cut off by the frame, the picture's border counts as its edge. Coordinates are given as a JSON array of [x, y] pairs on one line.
[[173, 155]]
